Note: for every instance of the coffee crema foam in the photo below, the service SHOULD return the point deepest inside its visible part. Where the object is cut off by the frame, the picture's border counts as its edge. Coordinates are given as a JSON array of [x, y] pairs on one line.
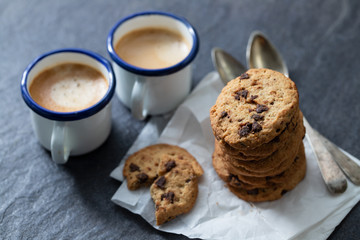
[[152, 48], [68, 87]]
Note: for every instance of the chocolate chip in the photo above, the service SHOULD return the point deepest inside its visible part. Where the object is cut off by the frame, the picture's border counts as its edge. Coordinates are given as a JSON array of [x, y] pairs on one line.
[[253, 191], [253, 97], [134, 167], [168, 196], [276, 139], [283, 192], [257, 117], [244, 93], [231, 176], [235, 180], [223, 114], [161, 182], [190, 178], [245, 130], [256, 127], [244, 76], [237, 184], [261, 108], [170, 165], [142, 177], [163, 196], [241, 93]]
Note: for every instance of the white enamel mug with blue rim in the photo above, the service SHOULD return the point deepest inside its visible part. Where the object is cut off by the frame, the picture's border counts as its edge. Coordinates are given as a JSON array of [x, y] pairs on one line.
[[152, 91], [70, 133]]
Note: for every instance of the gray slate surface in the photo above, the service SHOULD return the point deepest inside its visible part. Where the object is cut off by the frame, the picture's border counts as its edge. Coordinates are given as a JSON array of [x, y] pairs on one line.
[[39, 200]]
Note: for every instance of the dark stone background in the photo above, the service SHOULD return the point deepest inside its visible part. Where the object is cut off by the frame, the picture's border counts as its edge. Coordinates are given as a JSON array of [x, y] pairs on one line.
[[320, 40]]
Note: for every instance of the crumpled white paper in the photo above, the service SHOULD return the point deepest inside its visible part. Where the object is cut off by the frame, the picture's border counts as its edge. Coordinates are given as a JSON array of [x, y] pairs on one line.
[[307, 212]]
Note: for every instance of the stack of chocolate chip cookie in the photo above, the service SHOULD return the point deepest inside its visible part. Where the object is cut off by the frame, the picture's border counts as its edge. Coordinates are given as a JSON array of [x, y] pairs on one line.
[[258, 130]]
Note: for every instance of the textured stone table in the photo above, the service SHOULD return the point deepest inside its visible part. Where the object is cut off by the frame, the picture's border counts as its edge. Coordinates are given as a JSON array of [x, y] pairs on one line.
[[320, 40]]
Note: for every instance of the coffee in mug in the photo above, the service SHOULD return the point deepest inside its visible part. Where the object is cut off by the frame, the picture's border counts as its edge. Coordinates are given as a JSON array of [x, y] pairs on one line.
[[68, 87], [152, 48]]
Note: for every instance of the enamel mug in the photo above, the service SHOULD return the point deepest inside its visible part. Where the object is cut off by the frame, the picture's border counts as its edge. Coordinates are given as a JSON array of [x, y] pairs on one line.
[[152, 91], [70, 133]]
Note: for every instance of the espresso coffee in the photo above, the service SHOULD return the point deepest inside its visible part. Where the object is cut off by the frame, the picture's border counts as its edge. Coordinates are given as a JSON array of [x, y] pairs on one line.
[[68, 87], [152, 48]]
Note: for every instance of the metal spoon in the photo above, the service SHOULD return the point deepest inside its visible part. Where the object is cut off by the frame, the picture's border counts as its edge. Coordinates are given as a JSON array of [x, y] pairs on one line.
[[226, 65], [261, 53]]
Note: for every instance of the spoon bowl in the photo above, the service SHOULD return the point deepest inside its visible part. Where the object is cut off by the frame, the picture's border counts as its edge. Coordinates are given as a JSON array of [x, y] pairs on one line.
[[260, 53]]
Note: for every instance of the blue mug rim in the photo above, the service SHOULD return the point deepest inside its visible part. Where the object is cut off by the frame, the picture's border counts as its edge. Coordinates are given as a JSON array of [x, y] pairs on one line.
[[154, 72], [75, 115]]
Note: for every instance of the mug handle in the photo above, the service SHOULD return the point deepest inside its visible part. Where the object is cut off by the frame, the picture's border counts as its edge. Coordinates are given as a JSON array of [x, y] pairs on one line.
[[137, 99], [59, 143]]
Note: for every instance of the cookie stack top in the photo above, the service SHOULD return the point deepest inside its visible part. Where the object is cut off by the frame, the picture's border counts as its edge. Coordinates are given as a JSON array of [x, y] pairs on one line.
[[254, 108]]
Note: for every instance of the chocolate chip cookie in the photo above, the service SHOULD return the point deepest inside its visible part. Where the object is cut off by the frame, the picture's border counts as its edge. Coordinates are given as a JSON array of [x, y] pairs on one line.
[[253, 110]]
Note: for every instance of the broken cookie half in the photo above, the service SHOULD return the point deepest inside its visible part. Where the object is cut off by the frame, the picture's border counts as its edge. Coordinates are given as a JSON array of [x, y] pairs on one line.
[[173, 175], [175, 191]]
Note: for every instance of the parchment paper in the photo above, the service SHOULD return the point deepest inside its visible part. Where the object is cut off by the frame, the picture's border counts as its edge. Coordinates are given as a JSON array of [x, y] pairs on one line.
[[307, 212]]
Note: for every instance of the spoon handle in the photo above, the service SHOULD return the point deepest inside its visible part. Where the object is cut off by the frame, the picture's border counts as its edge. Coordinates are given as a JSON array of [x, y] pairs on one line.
[[334, 178], [349, 167]]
